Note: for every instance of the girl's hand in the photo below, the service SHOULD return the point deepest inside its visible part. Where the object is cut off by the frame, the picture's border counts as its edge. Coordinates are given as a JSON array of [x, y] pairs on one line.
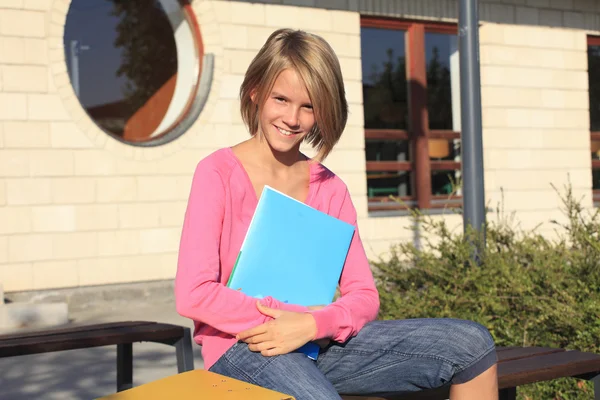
[[315, 308], [287, 332]]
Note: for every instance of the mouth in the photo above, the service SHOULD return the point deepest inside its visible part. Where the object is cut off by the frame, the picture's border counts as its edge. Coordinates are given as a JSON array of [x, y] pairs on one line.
[[286, 132]]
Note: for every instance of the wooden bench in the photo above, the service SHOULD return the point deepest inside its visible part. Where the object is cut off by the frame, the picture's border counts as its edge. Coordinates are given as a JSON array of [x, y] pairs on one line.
[[122, 334], [519, 366]]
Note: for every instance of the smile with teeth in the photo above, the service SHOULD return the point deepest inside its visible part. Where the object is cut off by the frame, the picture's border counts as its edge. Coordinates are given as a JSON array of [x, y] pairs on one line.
[[284, 132]]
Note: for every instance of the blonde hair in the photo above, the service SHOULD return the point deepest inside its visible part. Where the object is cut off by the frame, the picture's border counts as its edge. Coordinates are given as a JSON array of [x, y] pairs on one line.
[[315, 62]]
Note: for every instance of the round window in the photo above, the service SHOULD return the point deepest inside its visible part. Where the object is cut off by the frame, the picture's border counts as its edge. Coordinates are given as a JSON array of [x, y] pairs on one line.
[[135, 66]]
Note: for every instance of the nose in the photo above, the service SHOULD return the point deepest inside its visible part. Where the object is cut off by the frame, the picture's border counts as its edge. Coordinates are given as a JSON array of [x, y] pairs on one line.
[[292, 117]]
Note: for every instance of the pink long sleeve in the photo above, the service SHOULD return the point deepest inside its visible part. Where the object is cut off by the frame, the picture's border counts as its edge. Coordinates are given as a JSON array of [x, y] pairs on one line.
[[359, 300], [199, 290]]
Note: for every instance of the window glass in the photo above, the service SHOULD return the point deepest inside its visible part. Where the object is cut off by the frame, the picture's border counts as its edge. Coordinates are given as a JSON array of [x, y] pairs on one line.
[[134, 65], [384, 79]]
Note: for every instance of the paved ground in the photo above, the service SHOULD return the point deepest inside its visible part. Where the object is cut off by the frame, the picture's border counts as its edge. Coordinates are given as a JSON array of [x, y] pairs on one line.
[[91, 373]]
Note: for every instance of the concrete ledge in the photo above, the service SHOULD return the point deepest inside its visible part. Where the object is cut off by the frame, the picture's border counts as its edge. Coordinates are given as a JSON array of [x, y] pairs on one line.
[[17, 316], [83, 298]]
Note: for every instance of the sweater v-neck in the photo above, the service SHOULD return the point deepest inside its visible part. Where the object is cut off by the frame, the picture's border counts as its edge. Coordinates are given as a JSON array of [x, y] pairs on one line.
[[311, 175]]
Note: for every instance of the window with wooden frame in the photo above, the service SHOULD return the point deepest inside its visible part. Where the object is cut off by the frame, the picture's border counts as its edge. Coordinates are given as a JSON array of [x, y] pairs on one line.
[[411, 96], [594, 89]]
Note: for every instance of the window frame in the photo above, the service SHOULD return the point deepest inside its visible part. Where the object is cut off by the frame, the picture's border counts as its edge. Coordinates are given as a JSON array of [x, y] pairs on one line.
[[419, 133], [594, 135]]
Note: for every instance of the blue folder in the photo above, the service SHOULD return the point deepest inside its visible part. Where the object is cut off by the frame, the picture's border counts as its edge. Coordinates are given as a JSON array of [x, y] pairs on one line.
[[293, 253]]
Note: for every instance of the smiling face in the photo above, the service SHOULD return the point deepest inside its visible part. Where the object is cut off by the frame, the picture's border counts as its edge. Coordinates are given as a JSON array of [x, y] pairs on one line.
[[286, 116]]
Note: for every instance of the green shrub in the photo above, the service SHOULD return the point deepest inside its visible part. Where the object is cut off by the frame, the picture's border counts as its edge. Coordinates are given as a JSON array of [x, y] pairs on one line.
[[528, 290]]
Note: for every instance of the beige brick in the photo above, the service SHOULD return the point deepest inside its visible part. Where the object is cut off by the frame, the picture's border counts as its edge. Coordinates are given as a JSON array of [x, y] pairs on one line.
[[137, 167], [230, 86], [12, 50], [257, 36], [55, 274], [3, 200], [140, 215], [67, 135], [172, 214], [13, 106], [346, 160], [239, 60], [116, 243], [519, 159], [539, 179], [158, 188], [564, 99], [24, 248], [3, 250], [46, 107], [345, 22], [343, 45], [356, 117], [14, 163], [314, 19], [99, 271], [16, 277], [529, 138], [12, 4], [26, 135], [234, 36], [95, 162], [25, 79], [51, 163], [74, 245], [96, 217], [498, 96], [223, 112], [277, 16], [352, 138], [28, 191], [53, 218], [22, 23], [70, 190], [41, 5], [223, 10], [247, 13], [354, 92], [351, 69], [116, 189], [160, 240]]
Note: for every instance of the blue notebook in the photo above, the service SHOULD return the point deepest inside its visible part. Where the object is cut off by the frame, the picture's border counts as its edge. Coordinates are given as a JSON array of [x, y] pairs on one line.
[[293, 253]]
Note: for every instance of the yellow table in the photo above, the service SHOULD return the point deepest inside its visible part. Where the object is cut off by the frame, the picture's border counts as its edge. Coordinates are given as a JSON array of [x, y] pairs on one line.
[[198, 384]]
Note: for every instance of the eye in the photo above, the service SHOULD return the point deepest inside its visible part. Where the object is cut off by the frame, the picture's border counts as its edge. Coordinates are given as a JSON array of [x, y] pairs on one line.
[[280, 99], [308, 106]]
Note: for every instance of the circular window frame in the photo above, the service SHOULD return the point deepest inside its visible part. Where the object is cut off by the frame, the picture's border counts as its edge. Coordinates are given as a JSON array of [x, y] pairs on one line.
[[187, 131]]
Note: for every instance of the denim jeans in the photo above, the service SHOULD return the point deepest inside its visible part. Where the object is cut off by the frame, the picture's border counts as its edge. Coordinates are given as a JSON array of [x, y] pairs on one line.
[[385, 356]]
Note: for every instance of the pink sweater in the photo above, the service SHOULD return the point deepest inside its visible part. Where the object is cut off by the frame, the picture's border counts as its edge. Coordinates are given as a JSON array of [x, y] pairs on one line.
[[221, 204]]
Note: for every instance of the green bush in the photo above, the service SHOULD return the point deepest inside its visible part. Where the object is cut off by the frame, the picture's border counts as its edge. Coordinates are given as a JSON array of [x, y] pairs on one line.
[[528, 290]]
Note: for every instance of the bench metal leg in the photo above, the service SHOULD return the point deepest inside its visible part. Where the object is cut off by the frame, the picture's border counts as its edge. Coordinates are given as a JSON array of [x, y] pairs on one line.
[[124, 366], [507, 394], [596, 381], [185, 354]]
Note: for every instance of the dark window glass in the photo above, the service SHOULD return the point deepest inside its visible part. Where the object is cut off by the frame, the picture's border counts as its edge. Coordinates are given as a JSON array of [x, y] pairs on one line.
[[442, 67], [384, 79], [389, 183], [594, 82], [124, 65]]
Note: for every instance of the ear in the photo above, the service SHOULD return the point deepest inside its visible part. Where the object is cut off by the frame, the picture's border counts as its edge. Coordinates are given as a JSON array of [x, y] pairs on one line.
[[253, 95]]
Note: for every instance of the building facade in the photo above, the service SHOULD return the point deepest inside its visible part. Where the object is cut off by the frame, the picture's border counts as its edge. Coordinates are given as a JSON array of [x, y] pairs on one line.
[[105, 110]]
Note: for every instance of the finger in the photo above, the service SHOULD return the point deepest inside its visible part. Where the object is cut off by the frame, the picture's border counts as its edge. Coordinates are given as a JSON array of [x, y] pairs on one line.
[[260, 347], [271, 352], [257, 339], [257, 330], [268, 311]]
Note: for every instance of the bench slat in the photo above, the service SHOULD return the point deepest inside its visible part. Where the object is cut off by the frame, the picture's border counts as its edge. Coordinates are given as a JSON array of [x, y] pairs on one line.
[[155, 332], [71, 329], [518, 353], [546, 367]]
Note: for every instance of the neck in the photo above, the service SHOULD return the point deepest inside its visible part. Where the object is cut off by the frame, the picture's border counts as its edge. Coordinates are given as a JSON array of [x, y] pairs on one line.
[[274, 160]]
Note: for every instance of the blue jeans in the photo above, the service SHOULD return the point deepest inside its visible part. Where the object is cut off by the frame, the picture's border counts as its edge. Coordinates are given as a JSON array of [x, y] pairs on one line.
[[385, 356]]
